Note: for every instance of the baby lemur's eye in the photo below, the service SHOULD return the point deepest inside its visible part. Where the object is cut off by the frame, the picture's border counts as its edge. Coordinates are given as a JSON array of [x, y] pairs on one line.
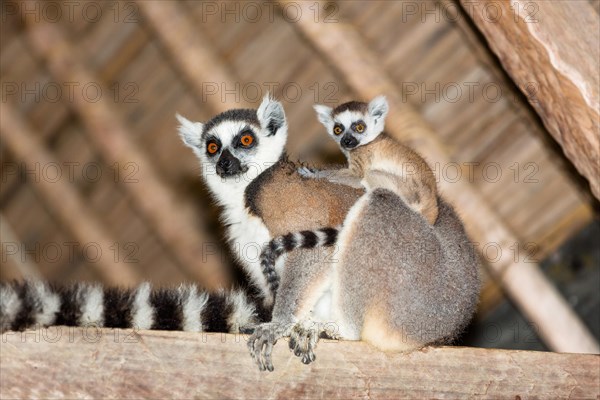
[[212, 148], [359, 127], [246, 140], [338, 129]]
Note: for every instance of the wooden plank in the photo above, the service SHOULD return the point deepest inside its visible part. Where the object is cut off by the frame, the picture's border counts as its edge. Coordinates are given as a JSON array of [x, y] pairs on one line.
[[150, 194], [102, 363], [62, 198], [554, 45], [537, 298]]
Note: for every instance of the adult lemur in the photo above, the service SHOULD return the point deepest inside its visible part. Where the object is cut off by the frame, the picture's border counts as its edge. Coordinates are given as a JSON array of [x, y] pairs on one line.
[[244, 166], [407, 275]]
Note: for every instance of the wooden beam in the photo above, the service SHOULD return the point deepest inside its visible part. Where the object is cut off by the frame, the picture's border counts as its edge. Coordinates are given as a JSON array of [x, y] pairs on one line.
[[150, 194], [102, 363], [61, 198], [538, 299], [191, 52], [551, 48]]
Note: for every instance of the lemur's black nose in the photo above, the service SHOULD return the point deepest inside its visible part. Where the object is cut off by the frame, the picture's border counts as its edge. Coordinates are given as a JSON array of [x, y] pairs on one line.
[[225, 163], [349, 142], [228, 165]]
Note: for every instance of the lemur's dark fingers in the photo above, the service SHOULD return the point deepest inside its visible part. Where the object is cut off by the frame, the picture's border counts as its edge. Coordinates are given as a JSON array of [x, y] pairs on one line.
[[292, 343], [308, 357], [268, 356], [258, 354], [250, 344]]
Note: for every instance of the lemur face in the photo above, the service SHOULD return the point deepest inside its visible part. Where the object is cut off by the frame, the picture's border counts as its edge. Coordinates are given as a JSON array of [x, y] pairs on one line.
[[354, 123], [238, 144]]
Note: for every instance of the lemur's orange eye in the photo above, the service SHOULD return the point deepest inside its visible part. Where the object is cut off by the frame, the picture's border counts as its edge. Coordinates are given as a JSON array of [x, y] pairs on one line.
[[212, 148], [360, 128], [246, 140], [337, 130]]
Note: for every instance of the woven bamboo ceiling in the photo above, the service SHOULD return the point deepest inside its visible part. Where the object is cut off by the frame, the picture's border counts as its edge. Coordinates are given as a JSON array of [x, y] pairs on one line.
[[91, 93]]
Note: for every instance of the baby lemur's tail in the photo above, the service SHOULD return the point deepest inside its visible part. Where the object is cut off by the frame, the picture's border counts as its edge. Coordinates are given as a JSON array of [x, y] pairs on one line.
[[35, 304], [284, 244]]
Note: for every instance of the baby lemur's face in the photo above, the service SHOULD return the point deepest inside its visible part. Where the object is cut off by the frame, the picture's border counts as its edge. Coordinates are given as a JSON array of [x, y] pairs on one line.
[[354, 124], [238, 144]]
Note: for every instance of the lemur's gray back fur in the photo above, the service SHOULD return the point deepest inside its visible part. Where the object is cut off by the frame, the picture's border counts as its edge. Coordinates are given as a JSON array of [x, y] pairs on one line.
[[32, 304], [428, 275]]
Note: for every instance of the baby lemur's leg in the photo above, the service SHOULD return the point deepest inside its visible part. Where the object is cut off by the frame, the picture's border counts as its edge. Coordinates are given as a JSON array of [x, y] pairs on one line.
[[416, 194], [305, 278], [340, 176]]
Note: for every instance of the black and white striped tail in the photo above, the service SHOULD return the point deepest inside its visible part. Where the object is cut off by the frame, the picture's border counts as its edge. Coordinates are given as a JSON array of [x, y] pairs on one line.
[[33, 304], [284, 244]]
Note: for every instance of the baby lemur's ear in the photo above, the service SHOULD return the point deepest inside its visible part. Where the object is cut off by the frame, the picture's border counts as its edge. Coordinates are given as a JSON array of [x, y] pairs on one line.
[[324, 114], [271, 115], [378, 107], [189, 131]]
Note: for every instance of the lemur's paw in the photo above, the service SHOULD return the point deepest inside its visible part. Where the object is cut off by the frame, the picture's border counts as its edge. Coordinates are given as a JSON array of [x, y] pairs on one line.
[[303, 341], [261, 343], [306, 172]]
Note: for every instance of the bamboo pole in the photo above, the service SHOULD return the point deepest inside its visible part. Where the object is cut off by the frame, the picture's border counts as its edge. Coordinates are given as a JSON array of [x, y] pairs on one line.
[[63, 201], [112, 363], [538, 299], [108, 132]]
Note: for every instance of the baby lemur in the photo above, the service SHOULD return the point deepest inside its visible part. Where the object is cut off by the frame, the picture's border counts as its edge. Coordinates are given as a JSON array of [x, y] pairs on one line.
[[403, 279], [376, 159]]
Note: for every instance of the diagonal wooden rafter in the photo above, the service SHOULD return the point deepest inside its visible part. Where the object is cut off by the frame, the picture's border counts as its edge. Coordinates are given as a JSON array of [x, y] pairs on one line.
[[524, 282], [151, 195], [63, 200], [562, 73]]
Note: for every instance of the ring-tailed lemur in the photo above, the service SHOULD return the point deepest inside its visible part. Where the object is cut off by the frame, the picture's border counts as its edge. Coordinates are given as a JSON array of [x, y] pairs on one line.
[[402, 281], [244, 165], [39, 304], [261, 193], [376, 159]]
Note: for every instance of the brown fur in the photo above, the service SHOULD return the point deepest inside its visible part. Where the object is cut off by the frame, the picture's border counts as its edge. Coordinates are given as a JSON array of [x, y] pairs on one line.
[[310, 203], [417, 187]]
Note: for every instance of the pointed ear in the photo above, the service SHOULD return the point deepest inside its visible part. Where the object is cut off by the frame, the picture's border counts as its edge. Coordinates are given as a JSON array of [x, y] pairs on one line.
[[378, 107], [271, 115], [324, 114], [189, 131]]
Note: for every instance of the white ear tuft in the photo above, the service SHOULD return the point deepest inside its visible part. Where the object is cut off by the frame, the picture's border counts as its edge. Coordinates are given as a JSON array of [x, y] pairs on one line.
[[324, 114], [378, 107], [189, 131], [271, 115]]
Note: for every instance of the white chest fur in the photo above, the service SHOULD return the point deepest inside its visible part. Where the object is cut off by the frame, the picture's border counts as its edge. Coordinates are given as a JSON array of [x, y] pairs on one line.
[[248, 235]]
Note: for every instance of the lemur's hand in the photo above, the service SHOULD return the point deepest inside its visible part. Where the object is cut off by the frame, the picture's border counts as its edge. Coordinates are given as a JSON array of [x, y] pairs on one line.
[[303, 340], [307, 172], [262, 341]]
